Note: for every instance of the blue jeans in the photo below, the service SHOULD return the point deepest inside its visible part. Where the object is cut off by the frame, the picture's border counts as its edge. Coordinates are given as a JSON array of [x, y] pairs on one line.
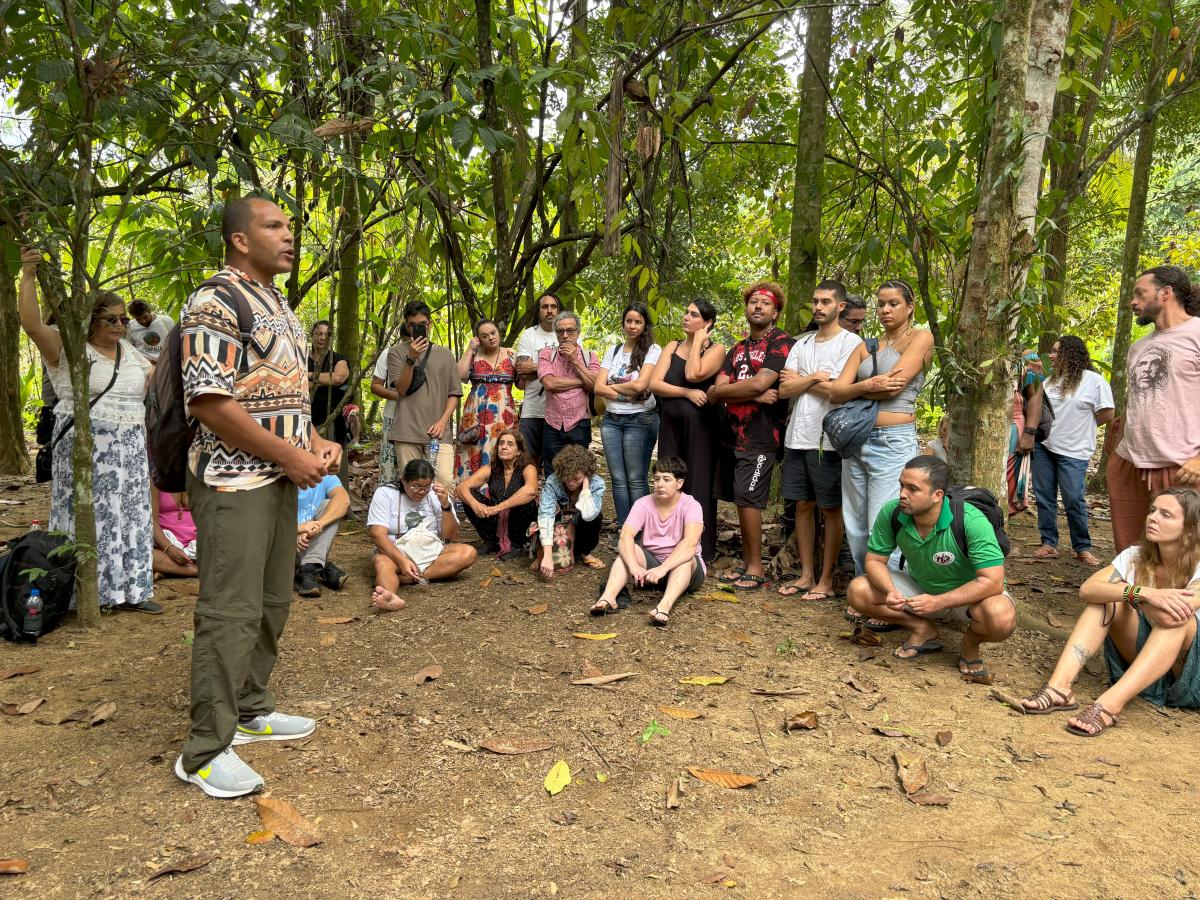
[[870, 480], [1053, 474], [628, 442], [554, 439]]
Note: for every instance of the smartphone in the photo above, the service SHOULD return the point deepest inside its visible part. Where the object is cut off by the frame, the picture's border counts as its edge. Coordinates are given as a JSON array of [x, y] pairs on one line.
[[419, 330]]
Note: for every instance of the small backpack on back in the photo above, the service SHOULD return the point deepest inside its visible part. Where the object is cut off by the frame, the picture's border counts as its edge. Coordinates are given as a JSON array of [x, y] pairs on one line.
[[959, 496], [48, 559], [169, 431]]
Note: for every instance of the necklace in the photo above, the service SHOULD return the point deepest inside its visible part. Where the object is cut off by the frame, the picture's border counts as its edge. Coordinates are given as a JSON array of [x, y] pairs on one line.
[[892, 342]]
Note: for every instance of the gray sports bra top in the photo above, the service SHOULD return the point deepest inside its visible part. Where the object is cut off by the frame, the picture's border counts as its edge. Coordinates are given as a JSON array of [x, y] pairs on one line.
[[905, 402]]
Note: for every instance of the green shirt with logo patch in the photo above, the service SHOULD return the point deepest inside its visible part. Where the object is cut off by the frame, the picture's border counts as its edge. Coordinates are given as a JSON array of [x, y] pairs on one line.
[[936, 562]]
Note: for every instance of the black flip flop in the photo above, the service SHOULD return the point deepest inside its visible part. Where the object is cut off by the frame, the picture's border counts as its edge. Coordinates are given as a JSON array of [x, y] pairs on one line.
[[930, 646]]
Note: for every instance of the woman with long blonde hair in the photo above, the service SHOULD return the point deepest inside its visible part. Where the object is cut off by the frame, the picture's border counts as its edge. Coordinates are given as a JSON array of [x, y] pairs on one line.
[[1143, 610]]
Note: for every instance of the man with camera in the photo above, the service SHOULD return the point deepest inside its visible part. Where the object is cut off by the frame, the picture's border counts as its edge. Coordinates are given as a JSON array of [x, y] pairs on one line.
[[425, 378]]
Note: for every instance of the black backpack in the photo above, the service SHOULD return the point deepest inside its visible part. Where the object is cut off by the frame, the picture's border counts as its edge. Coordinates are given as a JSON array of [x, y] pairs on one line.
[[48, 559], [169, 432], [959, 495]]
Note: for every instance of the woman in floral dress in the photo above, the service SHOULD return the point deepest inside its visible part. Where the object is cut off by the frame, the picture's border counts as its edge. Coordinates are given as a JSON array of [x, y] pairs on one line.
[[489, 409]]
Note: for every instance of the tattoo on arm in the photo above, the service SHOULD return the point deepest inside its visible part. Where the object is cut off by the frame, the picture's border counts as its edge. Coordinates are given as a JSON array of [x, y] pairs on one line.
[[1081, 653]]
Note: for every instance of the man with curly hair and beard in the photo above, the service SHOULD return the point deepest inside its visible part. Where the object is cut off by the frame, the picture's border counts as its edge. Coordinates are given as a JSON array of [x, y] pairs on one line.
[[1160, 431]]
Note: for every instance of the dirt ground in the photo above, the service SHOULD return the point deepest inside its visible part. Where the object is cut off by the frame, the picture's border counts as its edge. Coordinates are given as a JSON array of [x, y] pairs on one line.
[[408, 808]]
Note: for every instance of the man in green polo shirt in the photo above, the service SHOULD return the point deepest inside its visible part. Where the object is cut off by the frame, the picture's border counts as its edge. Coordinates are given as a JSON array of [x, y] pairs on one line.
[[940, 583]]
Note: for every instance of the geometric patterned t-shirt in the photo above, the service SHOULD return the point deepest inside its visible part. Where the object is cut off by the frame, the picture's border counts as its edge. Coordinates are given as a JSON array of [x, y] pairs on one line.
[[274, 391]]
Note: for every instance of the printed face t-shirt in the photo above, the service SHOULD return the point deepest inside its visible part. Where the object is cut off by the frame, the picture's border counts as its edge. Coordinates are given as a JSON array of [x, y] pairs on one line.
[[616, 361], [661, 536], [750, 425], [149, 338], [1162, 417]]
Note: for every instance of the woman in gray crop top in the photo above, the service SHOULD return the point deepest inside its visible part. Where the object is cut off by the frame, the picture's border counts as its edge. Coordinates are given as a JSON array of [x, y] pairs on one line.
[[872, 478]]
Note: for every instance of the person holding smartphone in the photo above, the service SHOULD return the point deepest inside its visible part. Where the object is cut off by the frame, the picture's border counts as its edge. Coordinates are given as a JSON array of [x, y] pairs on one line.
[[687, 421]]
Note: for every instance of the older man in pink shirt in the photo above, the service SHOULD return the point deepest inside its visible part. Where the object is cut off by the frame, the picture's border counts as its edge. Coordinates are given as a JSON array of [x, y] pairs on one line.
[[568, 373]]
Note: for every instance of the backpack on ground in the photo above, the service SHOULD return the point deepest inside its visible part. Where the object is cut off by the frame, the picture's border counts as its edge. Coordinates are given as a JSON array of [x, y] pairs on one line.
[[959, 496], [48, 558], [169, 432]]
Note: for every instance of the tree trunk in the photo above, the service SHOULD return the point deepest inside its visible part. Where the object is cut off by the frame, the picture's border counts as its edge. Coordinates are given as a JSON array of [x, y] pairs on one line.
[[1135, 226], [808, 183], [981, 412], [14, 458], [497, 166]]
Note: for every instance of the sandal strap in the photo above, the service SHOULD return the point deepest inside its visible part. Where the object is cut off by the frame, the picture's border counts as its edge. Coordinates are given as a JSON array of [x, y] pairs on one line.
[[1092, 715], [1042, 700]]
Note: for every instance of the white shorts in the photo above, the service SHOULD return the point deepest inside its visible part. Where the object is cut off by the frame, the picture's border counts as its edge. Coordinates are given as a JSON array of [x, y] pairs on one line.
[[189, 549], [961, 615]]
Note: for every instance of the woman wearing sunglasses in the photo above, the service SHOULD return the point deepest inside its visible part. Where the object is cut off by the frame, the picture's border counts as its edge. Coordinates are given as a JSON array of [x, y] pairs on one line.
[[120, 473]]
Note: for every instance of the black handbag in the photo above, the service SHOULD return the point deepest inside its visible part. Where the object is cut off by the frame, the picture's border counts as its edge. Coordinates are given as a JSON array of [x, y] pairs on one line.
[[43, 464]]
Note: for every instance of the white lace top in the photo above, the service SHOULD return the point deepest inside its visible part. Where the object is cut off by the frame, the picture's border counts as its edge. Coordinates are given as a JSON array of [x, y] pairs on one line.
[[124, 404]]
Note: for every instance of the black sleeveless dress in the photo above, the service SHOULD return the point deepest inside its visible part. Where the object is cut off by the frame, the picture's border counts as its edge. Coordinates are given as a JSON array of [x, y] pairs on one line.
[[690, 432]]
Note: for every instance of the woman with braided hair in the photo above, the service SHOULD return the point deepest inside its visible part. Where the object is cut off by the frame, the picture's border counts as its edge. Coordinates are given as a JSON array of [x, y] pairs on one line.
[[1081, 400]]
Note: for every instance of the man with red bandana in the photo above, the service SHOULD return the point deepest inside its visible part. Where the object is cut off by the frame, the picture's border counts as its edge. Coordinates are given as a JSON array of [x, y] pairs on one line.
[[747, 387]]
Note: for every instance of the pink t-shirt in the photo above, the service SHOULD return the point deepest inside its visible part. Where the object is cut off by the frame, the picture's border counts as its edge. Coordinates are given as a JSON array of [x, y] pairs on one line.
[[175, 520], [662, 536], [1162, 415]]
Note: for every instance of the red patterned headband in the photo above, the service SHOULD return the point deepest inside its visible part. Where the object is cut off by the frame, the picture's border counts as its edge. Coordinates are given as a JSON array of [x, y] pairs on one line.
[[770, 295]]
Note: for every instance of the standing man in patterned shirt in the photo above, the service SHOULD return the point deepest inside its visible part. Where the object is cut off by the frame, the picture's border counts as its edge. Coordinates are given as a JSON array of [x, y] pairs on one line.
[[568, 373], [748, 388], [254, 446]]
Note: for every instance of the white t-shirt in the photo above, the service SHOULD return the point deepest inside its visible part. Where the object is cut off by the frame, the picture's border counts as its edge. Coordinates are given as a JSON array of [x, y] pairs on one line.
[[149, 340], [392, 508], [1127, 559], [808, 355], [532, 342], [389, 406], [1073, 433], [616, 360]]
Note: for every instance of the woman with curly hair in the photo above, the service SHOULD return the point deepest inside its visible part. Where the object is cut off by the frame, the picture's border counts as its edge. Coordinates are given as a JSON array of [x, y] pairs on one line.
[[568, 517], [1081, 400], [1143, 610]]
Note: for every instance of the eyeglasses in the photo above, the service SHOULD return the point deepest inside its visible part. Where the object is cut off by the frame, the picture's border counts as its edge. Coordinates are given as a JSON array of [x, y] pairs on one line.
[[115, 320], [566, 331], [420, 488]]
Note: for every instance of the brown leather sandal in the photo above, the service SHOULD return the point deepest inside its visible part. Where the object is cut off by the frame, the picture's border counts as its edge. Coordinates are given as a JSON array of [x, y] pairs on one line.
[[1046, 700], [1093, 717]]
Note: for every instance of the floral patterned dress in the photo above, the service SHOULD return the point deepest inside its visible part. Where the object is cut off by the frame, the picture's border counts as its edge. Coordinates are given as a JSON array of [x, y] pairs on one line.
[[489, 405]]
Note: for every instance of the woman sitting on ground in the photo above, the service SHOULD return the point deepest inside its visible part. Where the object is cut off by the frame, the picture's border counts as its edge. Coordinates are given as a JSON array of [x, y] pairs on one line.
[[1143, 610], [667, 558], [568, 518], [174, 536], [410, 523], [500, 498]]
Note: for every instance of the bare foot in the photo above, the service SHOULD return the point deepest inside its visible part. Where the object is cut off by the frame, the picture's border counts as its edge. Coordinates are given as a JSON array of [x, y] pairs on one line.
[[383, 599], [592, 563]]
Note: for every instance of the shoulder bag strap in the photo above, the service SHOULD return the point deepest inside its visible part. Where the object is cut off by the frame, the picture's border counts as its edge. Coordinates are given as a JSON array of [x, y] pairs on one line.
[[70, 423], [245, 320], [873, 348], [958, 524]]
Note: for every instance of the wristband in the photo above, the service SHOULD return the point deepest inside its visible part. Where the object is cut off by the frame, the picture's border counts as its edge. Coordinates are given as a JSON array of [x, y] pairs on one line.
[[1030, 430], [409, 362], [445, 509]]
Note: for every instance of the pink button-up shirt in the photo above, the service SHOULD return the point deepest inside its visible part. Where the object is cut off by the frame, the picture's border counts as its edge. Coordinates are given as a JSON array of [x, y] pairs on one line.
[[565, 409]]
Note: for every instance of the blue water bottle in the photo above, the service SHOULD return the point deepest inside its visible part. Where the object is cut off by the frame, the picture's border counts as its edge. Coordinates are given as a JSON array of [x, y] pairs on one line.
[[33, 613], [434, 446]]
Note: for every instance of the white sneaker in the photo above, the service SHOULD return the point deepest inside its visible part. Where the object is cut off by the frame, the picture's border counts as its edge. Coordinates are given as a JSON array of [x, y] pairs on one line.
[[224, 776], [274, 726]]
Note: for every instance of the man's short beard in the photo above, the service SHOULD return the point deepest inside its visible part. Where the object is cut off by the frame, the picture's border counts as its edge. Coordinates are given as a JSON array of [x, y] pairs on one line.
[[1144, 319]]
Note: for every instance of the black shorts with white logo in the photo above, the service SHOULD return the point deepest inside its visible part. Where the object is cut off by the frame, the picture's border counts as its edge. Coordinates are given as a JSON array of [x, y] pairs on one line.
[[744, 476]]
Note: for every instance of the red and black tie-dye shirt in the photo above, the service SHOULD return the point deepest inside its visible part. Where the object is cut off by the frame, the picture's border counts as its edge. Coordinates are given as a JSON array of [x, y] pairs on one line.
[[750, 425]]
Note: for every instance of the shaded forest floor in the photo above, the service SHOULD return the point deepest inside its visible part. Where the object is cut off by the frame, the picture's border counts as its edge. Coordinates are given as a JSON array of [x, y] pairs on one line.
[[408, 808]]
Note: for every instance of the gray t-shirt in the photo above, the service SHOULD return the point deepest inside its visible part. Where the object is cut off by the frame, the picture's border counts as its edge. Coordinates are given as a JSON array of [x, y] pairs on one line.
[[416, 412]]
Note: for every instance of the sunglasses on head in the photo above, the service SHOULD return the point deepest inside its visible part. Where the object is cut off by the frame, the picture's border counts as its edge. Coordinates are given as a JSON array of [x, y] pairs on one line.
[[115, 320]]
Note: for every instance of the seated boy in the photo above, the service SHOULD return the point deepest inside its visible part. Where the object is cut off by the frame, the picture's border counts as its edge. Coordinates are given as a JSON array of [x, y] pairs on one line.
[[319, 509], [941, 583], [667, 558]]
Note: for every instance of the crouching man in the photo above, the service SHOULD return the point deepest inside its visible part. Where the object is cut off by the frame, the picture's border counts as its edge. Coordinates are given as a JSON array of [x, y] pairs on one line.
[[954, 573]]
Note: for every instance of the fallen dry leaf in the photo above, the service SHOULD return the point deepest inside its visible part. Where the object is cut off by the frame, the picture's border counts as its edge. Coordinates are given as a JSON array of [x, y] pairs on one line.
[[674, 793], [705, 680], [588, 636], [924, 797], [516, 746], [862, 685], [1011, 702], [335, 620], [328, 640], [943, 738], [603, 679], [911, 770], [78, 715], [285, 820], [487, 582], [779, 692], [865, 637], [680, 712], [21, 709], [977, 677], [1058, 621], [557, 778], [589, 669], [723, 779], [721, 596], [188, 864], [538, 610], [102, 713], [14, 866], [428, 674], [713, 878], [19, 670], [459, 746], [742, 638], [894, 731], [566, 817], [804, 720], [260, 837], [496, 573], [769, 607]]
